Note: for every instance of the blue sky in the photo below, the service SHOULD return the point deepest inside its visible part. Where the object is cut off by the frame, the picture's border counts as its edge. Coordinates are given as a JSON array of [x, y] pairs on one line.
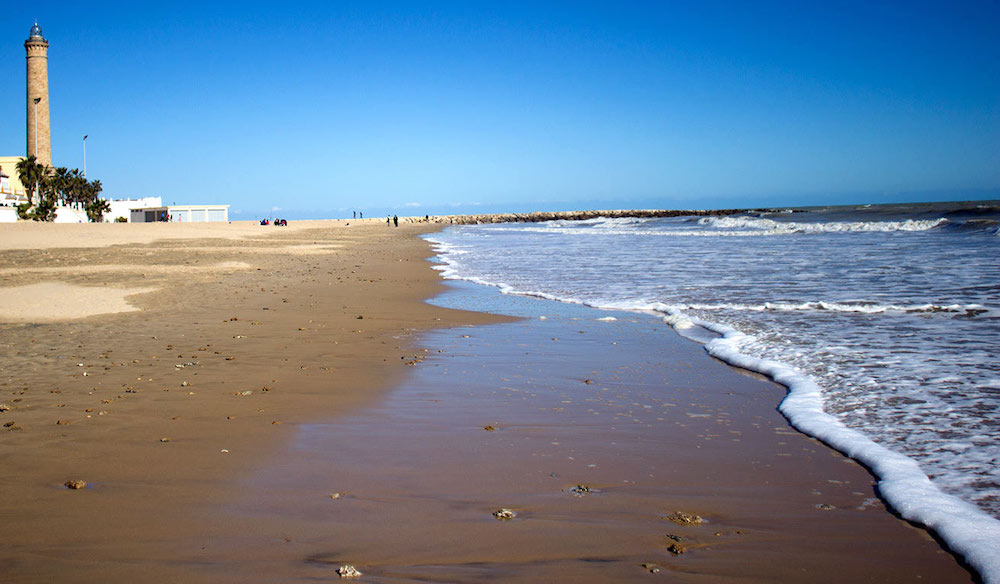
[[319, 108]]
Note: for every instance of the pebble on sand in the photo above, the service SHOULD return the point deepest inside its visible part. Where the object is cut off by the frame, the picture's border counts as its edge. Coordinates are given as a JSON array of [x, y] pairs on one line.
[[504, 514], [676, 549], [684, 519], [75, 484], [348, 571]]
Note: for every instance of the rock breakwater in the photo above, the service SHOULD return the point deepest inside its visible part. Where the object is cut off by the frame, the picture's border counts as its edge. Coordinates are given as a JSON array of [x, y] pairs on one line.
[[539, 216]]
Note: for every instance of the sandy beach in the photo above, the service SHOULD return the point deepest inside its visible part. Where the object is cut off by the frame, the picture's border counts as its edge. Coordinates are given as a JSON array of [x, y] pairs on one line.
[[253, 403]]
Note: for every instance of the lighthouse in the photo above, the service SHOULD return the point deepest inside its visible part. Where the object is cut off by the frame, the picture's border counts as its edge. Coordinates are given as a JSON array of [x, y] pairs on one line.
[[38, 130]]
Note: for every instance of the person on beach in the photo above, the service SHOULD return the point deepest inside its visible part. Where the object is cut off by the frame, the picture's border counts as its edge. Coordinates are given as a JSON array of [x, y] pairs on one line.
[[395, 221], [355, 214], [386, 220]]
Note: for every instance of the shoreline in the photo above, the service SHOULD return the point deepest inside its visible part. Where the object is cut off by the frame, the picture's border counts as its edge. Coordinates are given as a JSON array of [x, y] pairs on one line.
[[594, 442], [134, 473]]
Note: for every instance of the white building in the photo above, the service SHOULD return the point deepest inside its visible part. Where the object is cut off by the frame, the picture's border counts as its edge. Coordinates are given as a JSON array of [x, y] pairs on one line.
[[11, 195], [181, 214], [123, 207], [70, 215]]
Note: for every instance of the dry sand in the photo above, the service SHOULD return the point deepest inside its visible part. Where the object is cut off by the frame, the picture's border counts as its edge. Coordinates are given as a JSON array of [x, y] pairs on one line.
[[30, 235], [214, 347]]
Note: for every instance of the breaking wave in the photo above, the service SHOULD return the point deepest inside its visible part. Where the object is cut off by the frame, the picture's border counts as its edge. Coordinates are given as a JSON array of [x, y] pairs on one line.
[[782, 227]]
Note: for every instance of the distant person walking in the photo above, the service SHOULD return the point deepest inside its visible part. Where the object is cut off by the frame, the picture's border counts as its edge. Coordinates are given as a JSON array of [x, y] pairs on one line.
[[355, 214], [395, 221], [387, 220]]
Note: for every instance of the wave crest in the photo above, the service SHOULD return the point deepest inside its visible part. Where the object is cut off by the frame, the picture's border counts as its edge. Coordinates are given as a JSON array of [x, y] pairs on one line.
[[783, 227]]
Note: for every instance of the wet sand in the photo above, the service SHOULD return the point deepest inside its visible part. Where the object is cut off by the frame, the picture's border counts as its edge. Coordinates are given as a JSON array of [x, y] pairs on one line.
[[214, 424], [594, 433]]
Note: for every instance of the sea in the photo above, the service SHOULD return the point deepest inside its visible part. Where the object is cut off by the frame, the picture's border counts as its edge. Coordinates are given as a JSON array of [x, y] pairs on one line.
[[882, 320]]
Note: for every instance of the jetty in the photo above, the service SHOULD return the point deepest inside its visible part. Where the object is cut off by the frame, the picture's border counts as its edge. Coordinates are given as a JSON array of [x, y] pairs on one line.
[[539, 216]]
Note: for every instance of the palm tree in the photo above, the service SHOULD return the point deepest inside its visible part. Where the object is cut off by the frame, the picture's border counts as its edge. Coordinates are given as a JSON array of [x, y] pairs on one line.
[[49, 189], [44, 183], [94, 189], [96, 206], [31, 174], [59, 184], [76, 189]]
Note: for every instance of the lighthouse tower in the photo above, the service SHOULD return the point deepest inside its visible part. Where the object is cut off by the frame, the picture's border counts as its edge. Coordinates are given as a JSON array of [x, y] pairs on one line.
[[39, 135]]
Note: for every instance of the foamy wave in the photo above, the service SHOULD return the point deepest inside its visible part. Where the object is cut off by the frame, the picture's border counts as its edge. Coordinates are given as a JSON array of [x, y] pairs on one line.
[[598, 222], [856, 307], [719, 227], [566, 228], [966, 529], [782, 227]]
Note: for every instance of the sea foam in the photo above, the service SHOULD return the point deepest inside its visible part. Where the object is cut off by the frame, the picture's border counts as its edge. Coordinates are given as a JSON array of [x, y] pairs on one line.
[[966, 529], [782, 227]]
